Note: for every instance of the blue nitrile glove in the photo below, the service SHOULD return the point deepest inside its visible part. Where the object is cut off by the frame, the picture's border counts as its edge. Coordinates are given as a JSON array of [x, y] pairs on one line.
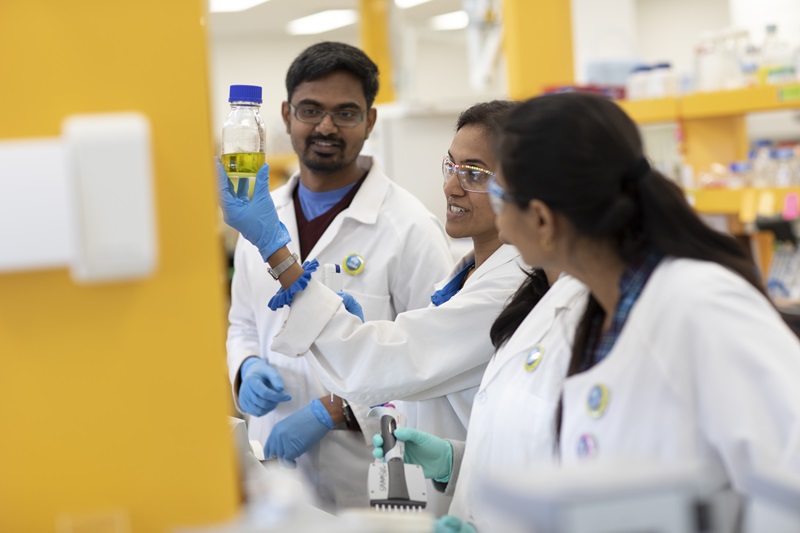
[[433, 454], [452, 524], [256, 219], [352, 305], [296, 434], [261, 389], [286, 296]]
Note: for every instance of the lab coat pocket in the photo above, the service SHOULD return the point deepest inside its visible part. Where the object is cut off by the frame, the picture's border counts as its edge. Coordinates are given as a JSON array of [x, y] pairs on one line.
[[525, 434], [375, 307]]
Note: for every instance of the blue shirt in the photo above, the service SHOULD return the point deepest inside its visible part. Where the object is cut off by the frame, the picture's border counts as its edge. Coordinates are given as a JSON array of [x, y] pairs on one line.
[[631, 284], [453, 286], [315, 204]]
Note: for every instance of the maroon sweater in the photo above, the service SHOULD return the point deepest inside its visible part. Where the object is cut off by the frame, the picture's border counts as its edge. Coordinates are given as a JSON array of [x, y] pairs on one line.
[[311, 231]]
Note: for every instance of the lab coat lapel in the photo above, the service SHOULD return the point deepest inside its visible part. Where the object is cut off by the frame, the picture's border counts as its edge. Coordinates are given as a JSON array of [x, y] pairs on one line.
[[538, 322], [500, 257], [284, 204]]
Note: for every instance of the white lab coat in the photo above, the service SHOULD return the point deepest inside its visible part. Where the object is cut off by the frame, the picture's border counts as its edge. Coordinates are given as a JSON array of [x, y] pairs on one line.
[[405, 252], [704, 371], [513, 419], [434, 357]]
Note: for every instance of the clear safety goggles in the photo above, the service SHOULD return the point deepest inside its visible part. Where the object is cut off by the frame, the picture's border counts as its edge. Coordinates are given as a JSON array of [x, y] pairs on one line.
[[498, 196], [470, 177]]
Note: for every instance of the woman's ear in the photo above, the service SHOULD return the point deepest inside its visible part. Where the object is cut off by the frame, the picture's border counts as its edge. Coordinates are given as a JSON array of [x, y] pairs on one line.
[[545, 220]]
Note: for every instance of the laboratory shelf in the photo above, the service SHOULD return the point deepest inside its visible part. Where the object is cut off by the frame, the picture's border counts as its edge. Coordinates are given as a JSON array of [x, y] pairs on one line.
[[741, 201], [714, 104], [651, 111], [740, 101]]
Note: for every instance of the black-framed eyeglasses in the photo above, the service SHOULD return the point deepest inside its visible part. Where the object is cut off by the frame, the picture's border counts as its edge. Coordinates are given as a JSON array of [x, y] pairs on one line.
[[499, 196], [343, 118], [470, 177]]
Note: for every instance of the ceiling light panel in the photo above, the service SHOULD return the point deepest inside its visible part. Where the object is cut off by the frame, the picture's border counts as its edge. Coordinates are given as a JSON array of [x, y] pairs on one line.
[[230, 6], [323, 21], [405, 4], [456, 20]]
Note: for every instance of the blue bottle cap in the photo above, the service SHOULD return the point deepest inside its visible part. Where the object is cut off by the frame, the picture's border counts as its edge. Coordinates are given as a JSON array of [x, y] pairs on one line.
[[245, 93], [740, 166]]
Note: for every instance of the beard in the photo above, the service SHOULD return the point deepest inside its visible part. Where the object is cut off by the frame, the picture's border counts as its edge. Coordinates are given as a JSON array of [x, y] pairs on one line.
[[325, 163]]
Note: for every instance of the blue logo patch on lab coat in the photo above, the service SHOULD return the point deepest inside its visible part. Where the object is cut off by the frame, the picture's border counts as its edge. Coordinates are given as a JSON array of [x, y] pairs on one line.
[[353, 264]]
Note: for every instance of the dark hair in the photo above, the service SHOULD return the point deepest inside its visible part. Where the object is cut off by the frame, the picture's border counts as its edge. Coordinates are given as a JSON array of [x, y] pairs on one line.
[[321, 59], [582, 155], [524, 300], [489, 116]]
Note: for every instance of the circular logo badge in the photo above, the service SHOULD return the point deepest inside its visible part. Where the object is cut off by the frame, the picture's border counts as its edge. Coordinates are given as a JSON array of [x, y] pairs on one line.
[[534, 358], [587, 446], [597, 401], [353, 264]]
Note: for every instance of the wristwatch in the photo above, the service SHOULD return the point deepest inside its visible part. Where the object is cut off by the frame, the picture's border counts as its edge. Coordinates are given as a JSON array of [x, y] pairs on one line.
[[283, 266], [350, 420]]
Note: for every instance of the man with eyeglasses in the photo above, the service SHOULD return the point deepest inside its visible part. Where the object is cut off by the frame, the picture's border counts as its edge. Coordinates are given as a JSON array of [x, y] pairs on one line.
[[340, 208]]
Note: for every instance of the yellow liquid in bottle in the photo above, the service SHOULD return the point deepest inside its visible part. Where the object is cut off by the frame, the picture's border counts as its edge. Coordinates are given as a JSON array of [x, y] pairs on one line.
[[242, 168]]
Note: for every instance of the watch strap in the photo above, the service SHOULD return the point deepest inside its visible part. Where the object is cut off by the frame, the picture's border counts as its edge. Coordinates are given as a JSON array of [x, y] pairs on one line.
[[283, 266]]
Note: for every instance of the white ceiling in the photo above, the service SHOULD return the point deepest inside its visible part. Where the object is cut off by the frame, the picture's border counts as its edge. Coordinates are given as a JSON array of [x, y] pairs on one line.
[[269, 19]]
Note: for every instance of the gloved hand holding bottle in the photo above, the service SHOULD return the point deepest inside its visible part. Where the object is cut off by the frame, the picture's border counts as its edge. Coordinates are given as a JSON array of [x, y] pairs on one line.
[[261, 388], [433, 454], [296, 434], [256, 219]]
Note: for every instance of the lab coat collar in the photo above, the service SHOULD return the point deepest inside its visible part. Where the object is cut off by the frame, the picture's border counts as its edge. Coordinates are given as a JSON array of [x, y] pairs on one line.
[[500, 257], [565, 293], [365, 206]]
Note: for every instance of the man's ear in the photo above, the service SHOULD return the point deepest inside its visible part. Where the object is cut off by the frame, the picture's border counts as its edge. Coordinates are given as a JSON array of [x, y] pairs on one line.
[[286, 114], [372, 116]]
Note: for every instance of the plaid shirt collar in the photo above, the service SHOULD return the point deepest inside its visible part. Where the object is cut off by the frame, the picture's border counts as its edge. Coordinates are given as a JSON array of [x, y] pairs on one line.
[[631, 284]]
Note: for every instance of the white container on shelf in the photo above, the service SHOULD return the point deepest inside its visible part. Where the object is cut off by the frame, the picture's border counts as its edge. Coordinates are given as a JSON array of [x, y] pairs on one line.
[[784, 167], [636, 88], [662, 81]]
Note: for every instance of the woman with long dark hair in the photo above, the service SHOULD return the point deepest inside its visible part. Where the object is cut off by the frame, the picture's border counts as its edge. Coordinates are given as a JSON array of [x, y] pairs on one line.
[[679, 355]]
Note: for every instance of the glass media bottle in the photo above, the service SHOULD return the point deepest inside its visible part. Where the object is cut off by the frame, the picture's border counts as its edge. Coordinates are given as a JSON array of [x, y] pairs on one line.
[[243, 137]]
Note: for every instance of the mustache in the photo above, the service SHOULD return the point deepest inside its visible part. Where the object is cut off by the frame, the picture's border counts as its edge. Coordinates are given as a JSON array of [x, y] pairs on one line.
[[326, 138]]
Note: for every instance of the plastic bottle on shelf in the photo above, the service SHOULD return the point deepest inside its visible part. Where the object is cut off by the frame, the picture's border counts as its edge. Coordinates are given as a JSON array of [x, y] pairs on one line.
[[730, 75], [739, 175], [777, 61], [709, 63], [243, 137], [784, 167], [749, 61], [763, 173], [636, 87], [661, 81]]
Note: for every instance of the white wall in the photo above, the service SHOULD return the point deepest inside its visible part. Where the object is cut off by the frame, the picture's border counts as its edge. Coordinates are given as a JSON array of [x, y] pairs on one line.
[[754, 15], [602, 30], [669, 29]]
